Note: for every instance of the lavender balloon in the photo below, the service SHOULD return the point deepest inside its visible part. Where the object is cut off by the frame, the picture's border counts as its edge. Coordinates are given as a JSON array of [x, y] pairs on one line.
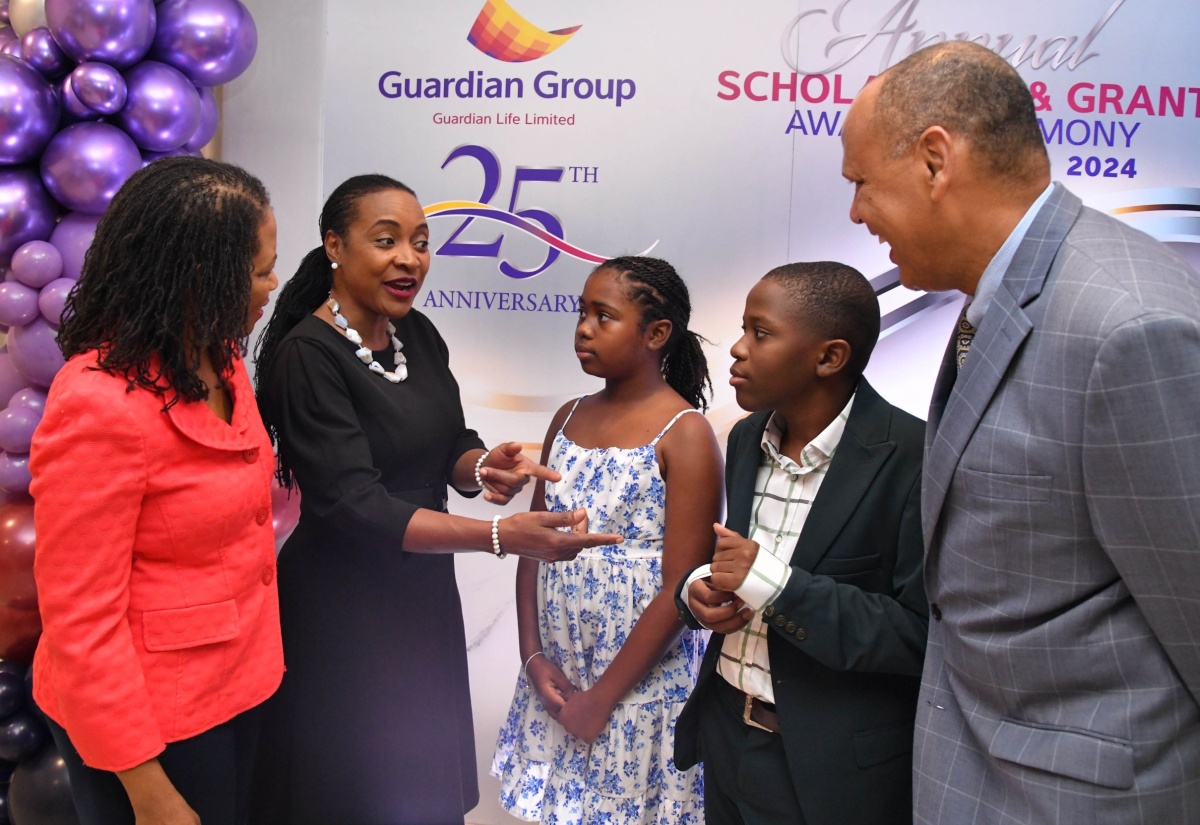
[[37, 263], [16, 428], [39, 50], [30, 397], [14, 473], [53, 299], [11, 381], [28, 110], [210, 118], [210, 41], [18, 304], [72, 237], [35, 351], [118, 32], [4, 11], [27, 211], [85, 164], [98, 86], [7, 35], [162, 109]]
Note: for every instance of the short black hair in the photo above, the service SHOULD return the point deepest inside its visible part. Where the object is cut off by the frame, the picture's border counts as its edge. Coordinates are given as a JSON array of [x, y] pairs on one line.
[[968, 90], [167, 276], [835, 301]]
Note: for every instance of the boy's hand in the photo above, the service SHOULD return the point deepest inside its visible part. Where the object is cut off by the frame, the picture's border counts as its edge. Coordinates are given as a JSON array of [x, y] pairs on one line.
[[719, 610], [733, 559]]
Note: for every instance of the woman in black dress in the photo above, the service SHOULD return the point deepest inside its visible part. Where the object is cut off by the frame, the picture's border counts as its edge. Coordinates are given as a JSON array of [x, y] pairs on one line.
[[373, 721]]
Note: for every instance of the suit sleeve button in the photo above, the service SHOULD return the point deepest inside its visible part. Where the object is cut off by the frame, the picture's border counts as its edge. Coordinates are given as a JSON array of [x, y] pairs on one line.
[[769, 611], [791, 627], [250, 456], [262, 515], [936, 612], [780, 621], [801, 634]]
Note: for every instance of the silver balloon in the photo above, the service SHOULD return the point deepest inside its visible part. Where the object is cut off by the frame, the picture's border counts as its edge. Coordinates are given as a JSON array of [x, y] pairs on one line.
[[26, 15]]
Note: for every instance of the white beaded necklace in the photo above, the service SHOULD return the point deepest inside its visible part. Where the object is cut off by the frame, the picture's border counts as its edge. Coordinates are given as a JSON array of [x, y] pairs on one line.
[[364, 353]]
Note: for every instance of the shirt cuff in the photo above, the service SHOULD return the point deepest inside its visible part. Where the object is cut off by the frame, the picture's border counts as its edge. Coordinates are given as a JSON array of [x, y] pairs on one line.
[[767, 577]]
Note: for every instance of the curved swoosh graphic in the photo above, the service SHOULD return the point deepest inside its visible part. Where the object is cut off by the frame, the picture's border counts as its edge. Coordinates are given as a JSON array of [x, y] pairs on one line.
[[500, 32]]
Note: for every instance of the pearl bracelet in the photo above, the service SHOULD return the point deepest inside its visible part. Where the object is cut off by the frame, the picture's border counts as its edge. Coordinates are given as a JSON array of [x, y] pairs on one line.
[[525, 667], [478, 467], [496, 538]]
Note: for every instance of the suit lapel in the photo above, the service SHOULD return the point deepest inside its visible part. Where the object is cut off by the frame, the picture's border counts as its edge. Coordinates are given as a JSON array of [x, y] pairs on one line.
[[745, 474], [857, 460], [1003, 330]]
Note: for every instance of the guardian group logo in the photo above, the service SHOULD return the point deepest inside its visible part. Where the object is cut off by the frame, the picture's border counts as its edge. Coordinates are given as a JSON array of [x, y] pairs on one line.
[[502, 33]]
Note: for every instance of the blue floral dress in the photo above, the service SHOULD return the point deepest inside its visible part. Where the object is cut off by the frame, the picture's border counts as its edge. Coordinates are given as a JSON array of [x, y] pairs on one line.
[[586, 608]]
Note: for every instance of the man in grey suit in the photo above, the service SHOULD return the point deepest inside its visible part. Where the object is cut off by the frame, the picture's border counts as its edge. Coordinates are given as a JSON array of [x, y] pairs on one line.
[[1061, 489]]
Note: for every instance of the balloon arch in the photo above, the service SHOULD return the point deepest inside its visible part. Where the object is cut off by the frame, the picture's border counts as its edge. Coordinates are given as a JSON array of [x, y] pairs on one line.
[[90, 91]]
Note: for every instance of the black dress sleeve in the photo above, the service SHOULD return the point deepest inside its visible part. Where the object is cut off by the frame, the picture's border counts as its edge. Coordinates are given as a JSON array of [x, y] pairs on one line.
[[467, 438]]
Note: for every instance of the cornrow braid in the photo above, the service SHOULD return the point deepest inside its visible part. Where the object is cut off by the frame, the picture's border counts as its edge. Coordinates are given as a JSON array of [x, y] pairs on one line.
[[663, 295], [167, 277], [309, 287]]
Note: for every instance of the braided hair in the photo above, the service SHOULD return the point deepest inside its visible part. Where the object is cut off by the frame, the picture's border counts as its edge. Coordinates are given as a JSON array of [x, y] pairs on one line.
[[167, 277], [657, 288], [309, 287]]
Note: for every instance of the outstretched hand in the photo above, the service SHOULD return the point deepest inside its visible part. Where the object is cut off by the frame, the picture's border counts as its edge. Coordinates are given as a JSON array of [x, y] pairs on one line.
[[507, 470], [541, 535]]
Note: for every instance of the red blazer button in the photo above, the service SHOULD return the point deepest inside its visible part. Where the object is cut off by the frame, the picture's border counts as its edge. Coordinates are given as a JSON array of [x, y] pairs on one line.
[[268, 575], [250, 456], [262, 515]]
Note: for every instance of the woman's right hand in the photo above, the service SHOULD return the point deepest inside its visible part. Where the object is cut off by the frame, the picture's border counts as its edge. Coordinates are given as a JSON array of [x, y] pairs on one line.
[[540, 535], [550, 683], [154, 799]]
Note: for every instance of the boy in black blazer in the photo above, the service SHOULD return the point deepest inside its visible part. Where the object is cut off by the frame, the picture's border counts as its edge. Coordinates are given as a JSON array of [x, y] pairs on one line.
[[803, 711]]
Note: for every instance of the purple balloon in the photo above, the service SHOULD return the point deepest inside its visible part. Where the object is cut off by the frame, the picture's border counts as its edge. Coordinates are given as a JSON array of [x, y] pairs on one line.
[[39, 50], [12, 48], [14, 473], [27, 211], [30, 397], [35, 351], [98, 86], [16, 428], [28, 110], [85, 164], [210, 41], [162, 109], [210, 118], [117, 32], [73, 108], [72, 237], [53, 299], [7, 35], [11, 381], [182, 152], [18, 304], [37, 263]]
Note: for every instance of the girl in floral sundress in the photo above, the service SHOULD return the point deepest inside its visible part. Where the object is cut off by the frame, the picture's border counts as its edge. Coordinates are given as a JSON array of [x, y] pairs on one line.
[[607, 663]]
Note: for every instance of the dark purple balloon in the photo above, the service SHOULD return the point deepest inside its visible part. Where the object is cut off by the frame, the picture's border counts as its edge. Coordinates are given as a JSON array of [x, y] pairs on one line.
[[39, 49], [27, 211], [73, 108], [16, 428], [28, 110], [98, 86], [18, 303], [53, 299], [12, 48], [72, 237], [85, 164], [14, 478], [210, 41], [117, 32], [21, 735], [210, 118], [7, 35], [162, 107], [12, 689], [37, 263], [30, 397], [40, 792], [35, 352]]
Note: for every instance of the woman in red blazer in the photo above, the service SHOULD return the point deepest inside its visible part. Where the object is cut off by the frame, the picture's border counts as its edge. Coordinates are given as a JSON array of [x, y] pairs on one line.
[[155, 560]]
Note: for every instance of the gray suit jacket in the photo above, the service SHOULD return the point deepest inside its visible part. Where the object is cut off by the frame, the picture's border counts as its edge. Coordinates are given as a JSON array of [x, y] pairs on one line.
[[1061, 511]]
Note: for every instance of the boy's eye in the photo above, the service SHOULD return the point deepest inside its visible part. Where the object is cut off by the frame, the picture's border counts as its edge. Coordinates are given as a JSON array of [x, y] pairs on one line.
[[759, 332]]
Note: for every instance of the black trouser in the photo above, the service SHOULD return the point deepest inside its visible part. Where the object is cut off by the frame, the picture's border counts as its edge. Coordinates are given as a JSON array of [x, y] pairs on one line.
[[746, 776], [211, 771]]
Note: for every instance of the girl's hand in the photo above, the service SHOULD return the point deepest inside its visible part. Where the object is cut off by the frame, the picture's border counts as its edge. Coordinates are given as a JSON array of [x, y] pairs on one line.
[[506, 471], [536, 535], [584, 715], [153, 798], [551, 684]]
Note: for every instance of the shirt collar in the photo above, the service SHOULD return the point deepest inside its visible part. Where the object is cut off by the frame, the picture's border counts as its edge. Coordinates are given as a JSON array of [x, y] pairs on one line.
[[816, 453], [994, 274]]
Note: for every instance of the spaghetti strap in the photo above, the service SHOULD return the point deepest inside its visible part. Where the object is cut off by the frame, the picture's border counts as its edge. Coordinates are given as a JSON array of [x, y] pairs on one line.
[[572, 412], [670, 423]]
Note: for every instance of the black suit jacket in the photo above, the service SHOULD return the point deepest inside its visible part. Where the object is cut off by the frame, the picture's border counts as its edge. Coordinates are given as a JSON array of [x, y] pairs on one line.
[[847, 634]]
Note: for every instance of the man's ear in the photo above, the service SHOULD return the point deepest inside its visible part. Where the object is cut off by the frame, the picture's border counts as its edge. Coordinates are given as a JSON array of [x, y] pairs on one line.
[[938, 151], [658, 333], [835, 355]]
